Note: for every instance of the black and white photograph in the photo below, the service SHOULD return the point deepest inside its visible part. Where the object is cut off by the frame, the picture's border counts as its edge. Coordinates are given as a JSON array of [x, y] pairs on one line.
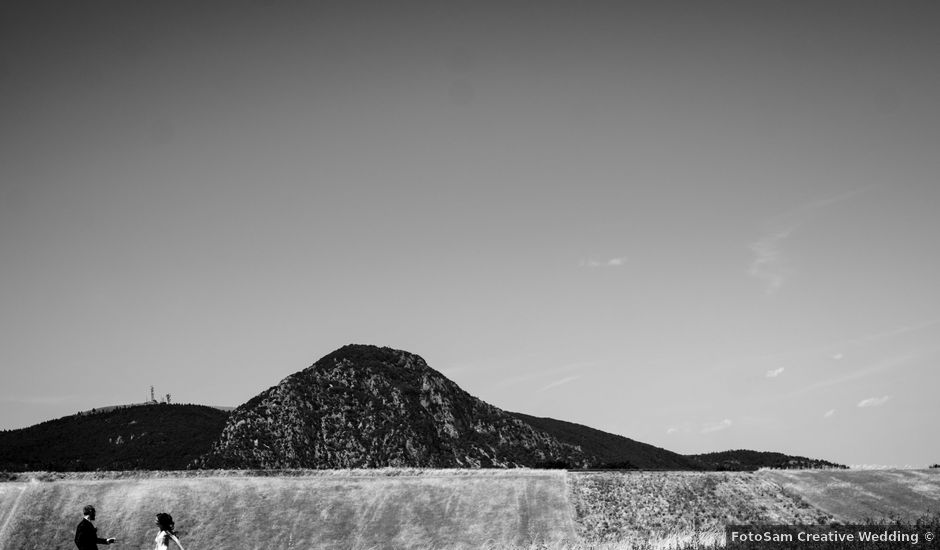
[[479, 275]]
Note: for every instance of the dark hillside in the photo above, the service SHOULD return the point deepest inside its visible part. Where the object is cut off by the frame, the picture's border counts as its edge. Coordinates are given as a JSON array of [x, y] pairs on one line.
[[611, 450], [744, 460], [137, 437]]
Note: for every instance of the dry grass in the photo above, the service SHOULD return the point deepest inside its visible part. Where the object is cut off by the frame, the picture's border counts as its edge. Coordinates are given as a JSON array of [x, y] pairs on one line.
[[859, 495], [664, 509], [444, 509], [351, 509]]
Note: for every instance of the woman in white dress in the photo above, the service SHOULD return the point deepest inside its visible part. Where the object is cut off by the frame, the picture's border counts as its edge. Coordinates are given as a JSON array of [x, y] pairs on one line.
[[166, 534]]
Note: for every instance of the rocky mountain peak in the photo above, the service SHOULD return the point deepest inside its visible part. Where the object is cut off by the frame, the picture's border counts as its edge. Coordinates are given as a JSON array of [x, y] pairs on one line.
[[366, 406]]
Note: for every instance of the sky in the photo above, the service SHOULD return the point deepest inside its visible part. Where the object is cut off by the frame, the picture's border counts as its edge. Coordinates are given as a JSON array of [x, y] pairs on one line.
[[700, 225]]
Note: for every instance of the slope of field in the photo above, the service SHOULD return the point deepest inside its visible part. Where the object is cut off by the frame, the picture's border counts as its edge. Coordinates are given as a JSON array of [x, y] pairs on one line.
[[641, 507], [857, 495], [352, 509]]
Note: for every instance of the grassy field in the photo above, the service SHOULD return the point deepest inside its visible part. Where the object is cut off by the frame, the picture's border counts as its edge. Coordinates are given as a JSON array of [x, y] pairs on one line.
[[450, 509], [430, 509], [857, 495], [668, 508]]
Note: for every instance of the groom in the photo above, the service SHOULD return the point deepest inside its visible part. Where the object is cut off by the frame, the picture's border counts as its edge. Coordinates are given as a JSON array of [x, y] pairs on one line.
[[86, 535]]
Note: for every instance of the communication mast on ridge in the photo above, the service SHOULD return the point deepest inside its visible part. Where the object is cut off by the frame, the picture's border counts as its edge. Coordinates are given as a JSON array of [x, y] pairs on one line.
[[152, 398]]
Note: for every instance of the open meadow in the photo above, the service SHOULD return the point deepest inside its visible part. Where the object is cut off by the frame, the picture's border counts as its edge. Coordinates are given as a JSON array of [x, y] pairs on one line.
[[857, 495], [353, 509], [425, 509], [680, 507]]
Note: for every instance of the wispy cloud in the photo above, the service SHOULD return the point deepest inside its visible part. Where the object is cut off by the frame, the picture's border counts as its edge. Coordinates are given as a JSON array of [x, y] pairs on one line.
[[841, 349], [504, 371], [835, 199], [884, 365], [611, 262], [896, 331], [530, 377], [711, 427], [775, 373], [559, 382], [671, 431], [837, 354], [829, 413], [769, 264], [874, 401]]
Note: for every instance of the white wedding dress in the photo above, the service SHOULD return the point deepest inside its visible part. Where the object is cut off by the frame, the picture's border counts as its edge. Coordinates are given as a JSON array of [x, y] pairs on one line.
[[163, 541]]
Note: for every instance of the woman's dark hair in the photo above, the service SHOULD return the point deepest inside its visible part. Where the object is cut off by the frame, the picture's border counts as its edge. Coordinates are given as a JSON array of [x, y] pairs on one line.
[[165, 521]]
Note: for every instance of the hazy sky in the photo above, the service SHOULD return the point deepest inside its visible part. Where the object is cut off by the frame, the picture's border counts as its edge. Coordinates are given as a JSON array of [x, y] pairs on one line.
[[702, 225]]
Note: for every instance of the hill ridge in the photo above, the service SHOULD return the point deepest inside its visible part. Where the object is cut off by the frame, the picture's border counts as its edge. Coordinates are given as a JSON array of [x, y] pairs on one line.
[[150, 436], [454, 428], [370, 406], [746, 459], [611, 450]]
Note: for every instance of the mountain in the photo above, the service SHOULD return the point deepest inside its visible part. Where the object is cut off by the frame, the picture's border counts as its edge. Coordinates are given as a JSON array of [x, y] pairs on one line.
[[360, 406], [742, 459], [610, 450], [136, 437], [365, 406]]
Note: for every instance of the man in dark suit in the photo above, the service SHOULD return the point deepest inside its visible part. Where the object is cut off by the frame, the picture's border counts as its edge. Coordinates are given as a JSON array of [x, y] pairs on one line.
[[86, 535]]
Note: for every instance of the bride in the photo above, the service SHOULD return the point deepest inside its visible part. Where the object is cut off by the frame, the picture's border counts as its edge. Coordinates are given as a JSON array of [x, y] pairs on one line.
[[166, 534]]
